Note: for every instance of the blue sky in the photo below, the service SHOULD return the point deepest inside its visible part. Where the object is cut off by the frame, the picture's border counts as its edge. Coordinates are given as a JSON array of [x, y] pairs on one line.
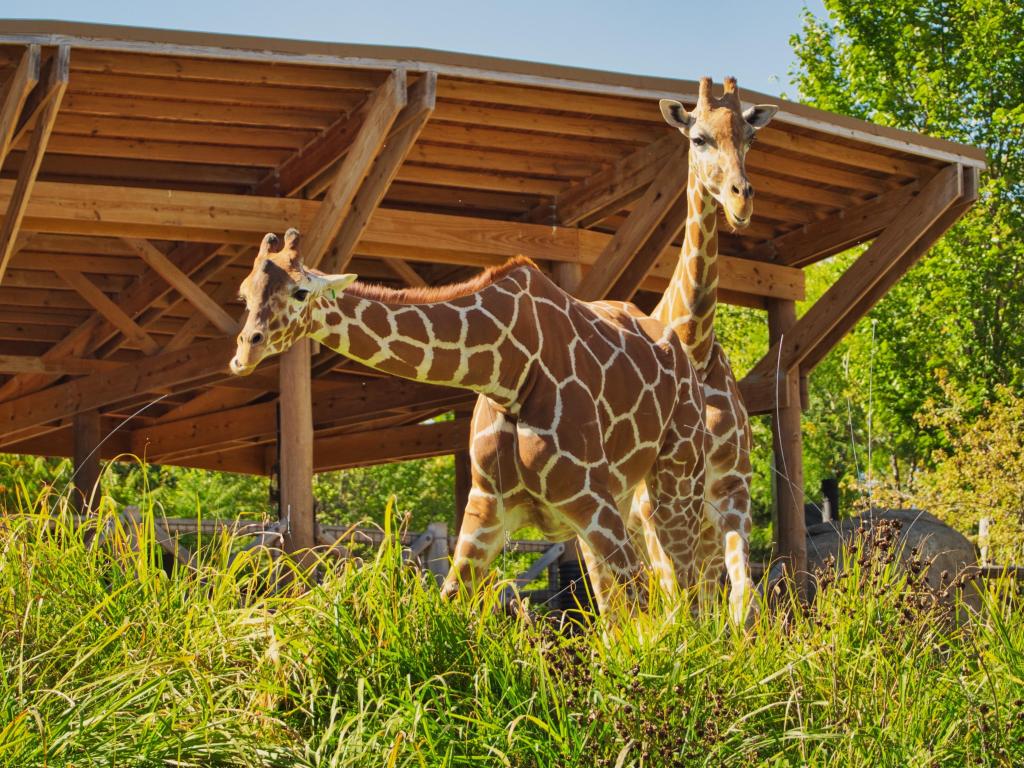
[[686, 38]]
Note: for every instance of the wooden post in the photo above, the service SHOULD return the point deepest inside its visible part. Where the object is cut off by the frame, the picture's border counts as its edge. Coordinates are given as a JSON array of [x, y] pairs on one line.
[[787, 445], [568, 275], [983, 540], [296, 448], [86, 427], [438, 553], [463, 482]]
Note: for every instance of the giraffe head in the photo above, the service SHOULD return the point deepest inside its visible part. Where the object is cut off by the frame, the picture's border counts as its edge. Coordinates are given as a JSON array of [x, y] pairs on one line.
[[279, 295], [720, 133]]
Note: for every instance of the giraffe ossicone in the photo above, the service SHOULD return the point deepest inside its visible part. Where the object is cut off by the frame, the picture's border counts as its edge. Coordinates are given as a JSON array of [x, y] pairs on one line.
[[579, 403]]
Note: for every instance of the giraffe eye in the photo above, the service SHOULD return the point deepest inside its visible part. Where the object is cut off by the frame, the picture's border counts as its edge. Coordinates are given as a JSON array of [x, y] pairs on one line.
[[300, 294], [699, 141]]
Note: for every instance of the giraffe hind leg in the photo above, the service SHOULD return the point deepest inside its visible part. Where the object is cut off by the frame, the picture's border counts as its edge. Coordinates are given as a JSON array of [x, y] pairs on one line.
[[674, 511], [726, 531], [612, 564]]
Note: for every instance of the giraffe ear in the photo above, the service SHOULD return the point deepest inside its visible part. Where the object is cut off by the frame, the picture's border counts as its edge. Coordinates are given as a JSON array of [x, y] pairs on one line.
[[323, 283], [676, 115], [759, 115]]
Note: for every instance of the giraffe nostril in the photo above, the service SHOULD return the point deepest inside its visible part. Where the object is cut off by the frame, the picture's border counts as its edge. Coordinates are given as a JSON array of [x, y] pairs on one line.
[[749, 191], [256, 338], [735, 189]]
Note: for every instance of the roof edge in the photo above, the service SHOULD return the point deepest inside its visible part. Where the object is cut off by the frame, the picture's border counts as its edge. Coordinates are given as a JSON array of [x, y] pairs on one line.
[[359, 55]]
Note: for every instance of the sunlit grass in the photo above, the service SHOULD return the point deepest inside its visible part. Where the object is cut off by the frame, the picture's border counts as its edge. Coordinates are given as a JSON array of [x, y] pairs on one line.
[[109, 661]]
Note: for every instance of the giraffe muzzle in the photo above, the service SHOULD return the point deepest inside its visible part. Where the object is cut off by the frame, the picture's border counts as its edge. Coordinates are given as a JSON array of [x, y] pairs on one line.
[[238, 368]]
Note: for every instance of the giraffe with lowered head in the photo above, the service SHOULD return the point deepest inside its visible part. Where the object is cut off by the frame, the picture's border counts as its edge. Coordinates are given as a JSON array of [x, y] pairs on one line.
[[720, 133], [579, 404]]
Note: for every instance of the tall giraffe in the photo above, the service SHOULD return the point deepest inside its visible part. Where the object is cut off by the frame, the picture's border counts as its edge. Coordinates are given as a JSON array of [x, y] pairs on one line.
[[579, 403], [720, 133]]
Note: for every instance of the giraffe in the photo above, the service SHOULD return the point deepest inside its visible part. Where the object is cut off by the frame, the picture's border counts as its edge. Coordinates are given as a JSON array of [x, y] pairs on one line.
[[720, 132], [578, 404]]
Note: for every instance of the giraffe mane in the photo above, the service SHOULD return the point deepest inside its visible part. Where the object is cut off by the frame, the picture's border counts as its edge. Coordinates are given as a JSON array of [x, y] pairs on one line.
[[440, 293]]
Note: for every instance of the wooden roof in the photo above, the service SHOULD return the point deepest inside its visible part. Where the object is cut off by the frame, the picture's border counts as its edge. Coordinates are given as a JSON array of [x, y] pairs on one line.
[[144, 165]]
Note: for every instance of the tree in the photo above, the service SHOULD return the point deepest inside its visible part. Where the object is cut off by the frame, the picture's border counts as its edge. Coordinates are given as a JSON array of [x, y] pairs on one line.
[[949, 69]]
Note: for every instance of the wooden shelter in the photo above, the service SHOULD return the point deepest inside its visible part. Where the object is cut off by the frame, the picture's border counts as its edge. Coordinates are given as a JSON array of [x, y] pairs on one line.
[[140, 168]]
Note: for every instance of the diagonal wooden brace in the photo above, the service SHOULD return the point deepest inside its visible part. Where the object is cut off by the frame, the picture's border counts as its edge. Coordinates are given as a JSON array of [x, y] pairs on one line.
[[920, 222]]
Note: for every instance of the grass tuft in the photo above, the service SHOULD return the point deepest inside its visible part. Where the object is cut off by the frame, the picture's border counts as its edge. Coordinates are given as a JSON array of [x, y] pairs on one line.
[[108, 660]]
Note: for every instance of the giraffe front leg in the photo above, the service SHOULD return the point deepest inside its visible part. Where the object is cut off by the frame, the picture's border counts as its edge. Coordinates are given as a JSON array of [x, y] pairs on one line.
[[480, 540], [612, 564], [735, 537]]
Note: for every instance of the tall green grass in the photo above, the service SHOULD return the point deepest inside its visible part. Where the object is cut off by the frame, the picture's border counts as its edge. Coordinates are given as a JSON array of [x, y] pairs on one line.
[[108, 661]]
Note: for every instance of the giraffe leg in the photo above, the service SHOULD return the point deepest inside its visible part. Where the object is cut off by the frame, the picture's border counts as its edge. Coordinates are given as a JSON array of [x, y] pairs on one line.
[[480, 540], [612, 564], [675, 505], [726, 533]]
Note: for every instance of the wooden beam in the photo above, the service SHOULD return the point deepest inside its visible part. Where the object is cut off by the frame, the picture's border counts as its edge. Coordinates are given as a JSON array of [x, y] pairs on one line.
[[20, 84], [787, 444], [412, 235], [190, 258], [414, 115], [196, 296], [895, 272], [320, 153], [835, 308], [345, 404], [110, 310], [190, 329], [402, 270], [382, 110], [87, 434], [245, 459], [16, 206], [74, 366], [820, 239], [417, 441], [608, 190], [658, 241], [103, 388], [295, 448], [641, 227]]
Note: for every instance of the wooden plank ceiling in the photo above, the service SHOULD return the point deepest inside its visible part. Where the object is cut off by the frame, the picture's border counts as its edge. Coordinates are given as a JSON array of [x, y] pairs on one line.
[[144, 179]]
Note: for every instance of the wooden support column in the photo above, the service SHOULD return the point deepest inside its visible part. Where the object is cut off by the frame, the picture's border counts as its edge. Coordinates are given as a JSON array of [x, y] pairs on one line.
[[296, 448], [787, 445], [463, 483], [567, 275], [86, 427]]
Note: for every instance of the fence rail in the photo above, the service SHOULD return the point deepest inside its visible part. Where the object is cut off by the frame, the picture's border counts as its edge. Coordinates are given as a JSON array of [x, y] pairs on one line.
[[430, 549]]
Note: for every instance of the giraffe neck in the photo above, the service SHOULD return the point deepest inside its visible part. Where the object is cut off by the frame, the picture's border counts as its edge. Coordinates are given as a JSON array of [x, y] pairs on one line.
[[688, 304], [469, 342]]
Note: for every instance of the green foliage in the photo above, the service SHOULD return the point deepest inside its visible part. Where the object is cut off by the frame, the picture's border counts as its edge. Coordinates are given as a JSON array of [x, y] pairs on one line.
[[423, 489], [981, 473], [953, 323], [110, 661]]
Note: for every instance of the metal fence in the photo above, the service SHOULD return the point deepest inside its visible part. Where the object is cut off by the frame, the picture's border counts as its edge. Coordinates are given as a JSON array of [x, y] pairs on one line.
[[430, 549]]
